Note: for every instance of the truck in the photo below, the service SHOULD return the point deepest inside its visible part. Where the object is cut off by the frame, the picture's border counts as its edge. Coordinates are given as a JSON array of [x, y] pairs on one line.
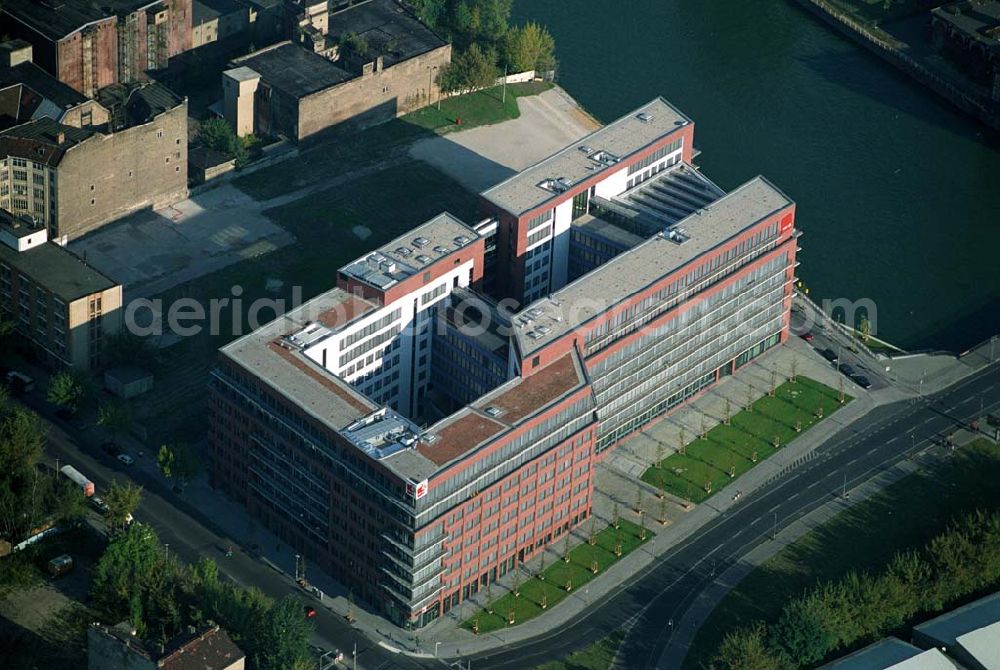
[[77, 478], [60, 565]]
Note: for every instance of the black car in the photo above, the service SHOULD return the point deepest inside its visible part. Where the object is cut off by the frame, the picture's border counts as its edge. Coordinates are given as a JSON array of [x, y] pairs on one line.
[[846, 369], [861, 381], [830, 355]]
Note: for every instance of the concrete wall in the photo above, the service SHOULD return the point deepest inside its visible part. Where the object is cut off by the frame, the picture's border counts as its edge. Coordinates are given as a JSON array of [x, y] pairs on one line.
[[81, 346], [373, 98], [106, 652], [108, 176], [75, 116]]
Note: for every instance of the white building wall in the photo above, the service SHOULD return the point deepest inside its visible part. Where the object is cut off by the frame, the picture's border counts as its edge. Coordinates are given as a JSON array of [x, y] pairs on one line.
[[613, 185], [560, 245], [394, 363]]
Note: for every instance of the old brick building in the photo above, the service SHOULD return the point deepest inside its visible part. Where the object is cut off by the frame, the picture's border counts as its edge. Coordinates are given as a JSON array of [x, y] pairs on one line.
[[90, 44], [75, 164], [65, 309], [300, 90]]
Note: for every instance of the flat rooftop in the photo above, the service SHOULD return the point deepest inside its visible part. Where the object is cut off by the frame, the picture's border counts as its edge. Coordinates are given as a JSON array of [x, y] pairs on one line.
[[293, 69], [979, 19], [499, 411], [879, 656], [614, 142], [947, 628], [58, 270], [288, 371], [56, 20], [609, 231], [545, 320], [274, 354], [413, 252], [384, 24]]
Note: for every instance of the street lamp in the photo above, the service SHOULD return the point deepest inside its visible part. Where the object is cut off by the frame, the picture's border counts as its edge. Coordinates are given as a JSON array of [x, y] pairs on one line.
[[436, 645]]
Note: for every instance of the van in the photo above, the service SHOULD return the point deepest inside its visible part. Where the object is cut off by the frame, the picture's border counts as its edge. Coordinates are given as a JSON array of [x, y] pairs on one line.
[[60, 565]]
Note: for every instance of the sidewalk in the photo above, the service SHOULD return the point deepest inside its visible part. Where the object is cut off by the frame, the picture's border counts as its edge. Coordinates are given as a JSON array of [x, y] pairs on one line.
[[615, 482]]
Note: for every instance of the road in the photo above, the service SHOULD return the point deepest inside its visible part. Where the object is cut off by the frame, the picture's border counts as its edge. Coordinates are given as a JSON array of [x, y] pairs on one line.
[[187, 537], [648, 604]]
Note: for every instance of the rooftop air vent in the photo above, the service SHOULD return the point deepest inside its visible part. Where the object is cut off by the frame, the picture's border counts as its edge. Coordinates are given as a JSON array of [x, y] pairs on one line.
[[421, 241], [440, 249], [423, 259], [429, 438], [535, 312], [534, 335], [544, 330], [585, 149], [404, 251], [645, 117], [461, 240], [493, 411]]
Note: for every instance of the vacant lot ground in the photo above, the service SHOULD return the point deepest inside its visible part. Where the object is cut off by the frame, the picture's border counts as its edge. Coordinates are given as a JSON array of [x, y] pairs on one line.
[[334, 227], [905, 515], [43, 620], [597, 656], [485, 156], [726, 452]]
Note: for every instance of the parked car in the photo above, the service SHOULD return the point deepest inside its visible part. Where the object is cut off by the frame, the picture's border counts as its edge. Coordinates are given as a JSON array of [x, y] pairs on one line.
[[830, 355], [110, 448], [861, 381], [126, 459], [60, 565], [309, 611], [20, 382], [99, 504], [808, 337], [846, 369]]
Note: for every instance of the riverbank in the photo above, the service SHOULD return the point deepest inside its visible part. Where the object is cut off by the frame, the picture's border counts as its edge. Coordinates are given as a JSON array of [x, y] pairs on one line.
[[896, 52]]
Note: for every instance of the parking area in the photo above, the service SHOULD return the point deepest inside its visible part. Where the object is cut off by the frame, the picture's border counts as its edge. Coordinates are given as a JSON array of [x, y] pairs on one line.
[[152, 251]]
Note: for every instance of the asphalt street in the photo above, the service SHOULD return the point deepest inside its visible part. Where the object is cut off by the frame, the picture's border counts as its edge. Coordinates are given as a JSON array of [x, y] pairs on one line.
[[650, 601], [191, 539], [648, 604]]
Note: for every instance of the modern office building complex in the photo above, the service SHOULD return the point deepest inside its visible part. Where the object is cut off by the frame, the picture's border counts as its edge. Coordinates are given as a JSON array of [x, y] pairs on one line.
[[418, 437]]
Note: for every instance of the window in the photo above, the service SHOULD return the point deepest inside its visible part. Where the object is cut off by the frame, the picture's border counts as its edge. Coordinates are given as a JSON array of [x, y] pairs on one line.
[[535, 361]]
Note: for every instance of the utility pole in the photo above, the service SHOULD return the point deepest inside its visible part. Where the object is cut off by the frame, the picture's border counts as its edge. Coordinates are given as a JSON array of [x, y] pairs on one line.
[[844, 493], [354, 655], [774, 528], [504, 101]]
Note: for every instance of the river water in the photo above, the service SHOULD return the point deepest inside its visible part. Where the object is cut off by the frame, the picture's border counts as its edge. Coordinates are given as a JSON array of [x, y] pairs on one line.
[[898, 194]]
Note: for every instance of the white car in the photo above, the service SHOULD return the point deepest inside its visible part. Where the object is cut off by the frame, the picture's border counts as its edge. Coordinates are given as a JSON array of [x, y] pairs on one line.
[[126, 459]]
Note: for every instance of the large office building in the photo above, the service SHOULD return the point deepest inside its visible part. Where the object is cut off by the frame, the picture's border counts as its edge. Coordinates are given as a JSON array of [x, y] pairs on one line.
[[419, 436]]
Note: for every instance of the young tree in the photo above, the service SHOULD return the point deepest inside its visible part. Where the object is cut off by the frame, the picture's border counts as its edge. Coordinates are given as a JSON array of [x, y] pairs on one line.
[[66, 391], [471, 69], [803, 630], [125, 572], [165, 461], [279, 639], [186, 463], [217, 134], [116, 417], [122, 500], [529, 47]]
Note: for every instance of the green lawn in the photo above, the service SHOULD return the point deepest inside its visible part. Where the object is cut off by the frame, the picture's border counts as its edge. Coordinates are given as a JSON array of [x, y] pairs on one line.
[[480, 108], [732, 448], [577, 572], [905, 515], [347, 151], [597, 656]]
